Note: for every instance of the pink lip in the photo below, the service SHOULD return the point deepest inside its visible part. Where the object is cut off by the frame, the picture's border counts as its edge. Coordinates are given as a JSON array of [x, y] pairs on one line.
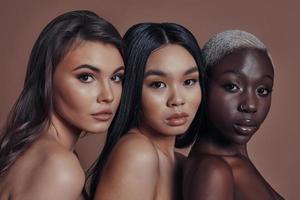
[[103, 115], [177, 119]]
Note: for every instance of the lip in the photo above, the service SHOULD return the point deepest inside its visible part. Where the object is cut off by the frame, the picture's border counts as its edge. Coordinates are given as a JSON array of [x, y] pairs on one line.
[[246, 127], [103, 115], [177, 119]]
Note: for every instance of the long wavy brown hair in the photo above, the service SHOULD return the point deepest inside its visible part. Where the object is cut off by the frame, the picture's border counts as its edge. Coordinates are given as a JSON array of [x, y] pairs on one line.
[[30, 116]]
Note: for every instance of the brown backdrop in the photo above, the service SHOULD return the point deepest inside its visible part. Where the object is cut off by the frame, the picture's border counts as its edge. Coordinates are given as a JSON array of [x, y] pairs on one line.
[[275, 149]]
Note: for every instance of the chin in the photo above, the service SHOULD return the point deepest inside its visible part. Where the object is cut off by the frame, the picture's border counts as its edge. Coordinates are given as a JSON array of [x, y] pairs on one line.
[[242, 140], [175, 130], [97, 132], [97, 129]]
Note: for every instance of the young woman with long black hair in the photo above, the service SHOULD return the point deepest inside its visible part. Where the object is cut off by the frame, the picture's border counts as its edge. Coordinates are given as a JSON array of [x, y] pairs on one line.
[[161, 96], [73, 84]]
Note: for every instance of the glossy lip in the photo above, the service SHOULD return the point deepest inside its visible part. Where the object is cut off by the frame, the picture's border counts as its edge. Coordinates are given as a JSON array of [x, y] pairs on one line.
[[103, 115], [245, 127], [177, 119]]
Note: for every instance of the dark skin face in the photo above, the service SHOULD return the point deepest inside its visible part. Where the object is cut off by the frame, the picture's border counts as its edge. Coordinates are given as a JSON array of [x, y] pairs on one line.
[[238, 101], [239, 95]]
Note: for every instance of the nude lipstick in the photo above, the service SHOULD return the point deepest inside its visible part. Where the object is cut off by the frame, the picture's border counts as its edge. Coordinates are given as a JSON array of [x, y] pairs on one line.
[[177, 119], [103, 115]]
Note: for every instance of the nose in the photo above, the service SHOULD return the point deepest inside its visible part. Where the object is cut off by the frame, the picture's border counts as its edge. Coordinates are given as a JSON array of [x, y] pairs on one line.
[[248, 103], [105, 94], [176, 98]]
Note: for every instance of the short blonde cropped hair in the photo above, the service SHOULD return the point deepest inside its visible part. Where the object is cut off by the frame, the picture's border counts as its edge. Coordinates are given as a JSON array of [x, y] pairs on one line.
[[226, 42]]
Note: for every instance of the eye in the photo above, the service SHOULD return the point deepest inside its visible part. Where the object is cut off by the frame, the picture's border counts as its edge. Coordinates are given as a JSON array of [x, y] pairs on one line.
[[231, 87], [117, 78], [190, 82], [158, 84], [86, 78], [264, 92]]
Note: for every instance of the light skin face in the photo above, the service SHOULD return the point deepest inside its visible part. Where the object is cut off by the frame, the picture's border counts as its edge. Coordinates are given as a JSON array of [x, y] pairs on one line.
[[170, 98], [239, 94], [171, 91], [87, 86]]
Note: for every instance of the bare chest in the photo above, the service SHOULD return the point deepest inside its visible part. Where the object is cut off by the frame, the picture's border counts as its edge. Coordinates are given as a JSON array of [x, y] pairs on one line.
[[169, 181], [248, 182]]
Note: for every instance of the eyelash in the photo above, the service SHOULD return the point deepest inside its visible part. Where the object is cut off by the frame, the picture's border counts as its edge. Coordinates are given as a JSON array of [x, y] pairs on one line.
[[264, 89], [82, 77], [87, 78], [160, 84], [194, 81], [119, 77], [157, 84], [231, 87]]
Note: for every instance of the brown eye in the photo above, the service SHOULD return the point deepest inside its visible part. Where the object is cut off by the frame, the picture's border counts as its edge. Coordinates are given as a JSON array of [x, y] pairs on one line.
[[190, 82], [231, 87], [157, 84], [264, 92], [86, 78], [117, 78]]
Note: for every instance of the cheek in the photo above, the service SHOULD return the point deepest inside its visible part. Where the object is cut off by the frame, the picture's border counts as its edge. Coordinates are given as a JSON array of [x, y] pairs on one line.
[[221, 107], [153, 102], [193, 100], [117, 93], [264, 109], [73, 97], [220, 101], [194, 97]]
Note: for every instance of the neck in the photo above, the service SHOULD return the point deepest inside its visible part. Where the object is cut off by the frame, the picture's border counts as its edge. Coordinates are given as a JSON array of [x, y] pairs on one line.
[[165, 144], [212, 143], [63, 132]]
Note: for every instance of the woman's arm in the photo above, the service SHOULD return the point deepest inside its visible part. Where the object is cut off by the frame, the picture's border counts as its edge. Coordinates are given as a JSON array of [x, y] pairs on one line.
[[131, 172], [208, 178]]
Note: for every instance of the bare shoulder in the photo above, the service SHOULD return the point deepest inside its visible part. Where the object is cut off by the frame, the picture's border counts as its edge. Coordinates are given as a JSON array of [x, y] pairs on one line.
[[131, 171], [55, 174], [209, 168], [208, 177], [135, 148], [63, 163]]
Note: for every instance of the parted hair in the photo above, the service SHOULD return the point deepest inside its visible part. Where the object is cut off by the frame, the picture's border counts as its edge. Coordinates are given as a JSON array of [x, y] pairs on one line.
[[141, 40]]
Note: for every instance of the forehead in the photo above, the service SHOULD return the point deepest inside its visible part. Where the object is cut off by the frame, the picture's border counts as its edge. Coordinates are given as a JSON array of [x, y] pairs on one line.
[[252, 63], [93, 53], [170, 58]]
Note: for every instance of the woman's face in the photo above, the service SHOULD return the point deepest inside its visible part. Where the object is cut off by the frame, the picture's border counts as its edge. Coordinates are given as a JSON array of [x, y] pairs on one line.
[[239, 94], [171, 91], [87, 86]]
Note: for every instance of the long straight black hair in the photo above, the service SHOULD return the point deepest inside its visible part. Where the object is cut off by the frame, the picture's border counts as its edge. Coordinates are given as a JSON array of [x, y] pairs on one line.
[[30, 116], [141, 40]]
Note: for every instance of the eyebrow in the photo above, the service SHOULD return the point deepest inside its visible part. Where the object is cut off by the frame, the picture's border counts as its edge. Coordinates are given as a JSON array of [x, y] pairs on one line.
[[269, 77], [155, 73], [91, 67], [119, 69], [191, 70], [231, 72], [241, 74], [95, 69], [163, 74]]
